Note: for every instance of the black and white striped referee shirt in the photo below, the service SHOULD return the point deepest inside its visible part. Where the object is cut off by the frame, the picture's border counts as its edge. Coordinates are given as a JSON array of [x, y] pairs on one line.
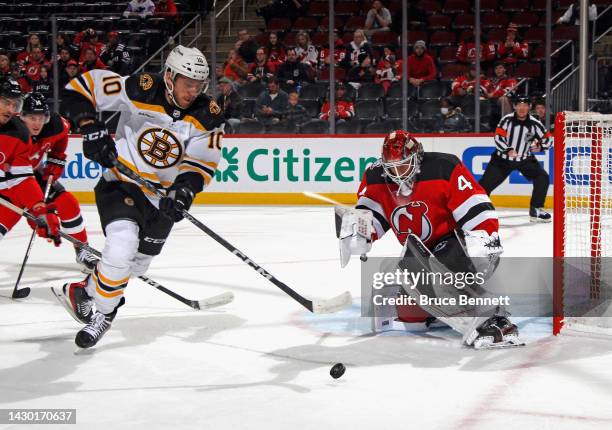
[[512, 133]]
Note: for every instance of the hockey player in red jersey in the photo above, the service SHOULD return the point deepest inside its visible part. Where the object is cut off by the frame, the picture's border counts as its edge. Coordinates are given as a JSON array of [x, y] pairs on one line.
[[49, 134], [17, 183], [433, 198]]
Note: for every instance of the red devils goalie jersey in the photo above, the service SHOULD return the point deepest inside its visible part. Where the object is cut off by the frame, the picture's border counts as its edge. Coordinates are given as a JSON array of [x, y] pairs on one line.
[[445, 196]]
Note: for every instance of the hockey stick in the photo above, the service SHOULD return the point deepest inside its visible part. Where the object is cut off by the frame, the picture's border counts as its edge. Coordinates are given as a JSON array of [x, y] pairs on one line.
[[211, 302], [318, 306], [25, 292]]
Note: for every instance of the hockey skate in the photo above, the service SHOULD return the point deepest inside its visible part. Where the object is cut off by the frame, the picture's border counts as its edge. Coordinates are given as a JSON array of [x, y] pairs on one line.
[[86, 259], [89, 335], [539, 215], [76, 300], [496, 332]]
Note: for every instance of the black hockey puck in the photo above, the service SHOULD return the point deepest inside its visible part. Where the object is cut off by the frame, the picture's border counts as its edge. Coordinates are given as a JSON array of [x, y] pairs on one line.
[[337, 370]]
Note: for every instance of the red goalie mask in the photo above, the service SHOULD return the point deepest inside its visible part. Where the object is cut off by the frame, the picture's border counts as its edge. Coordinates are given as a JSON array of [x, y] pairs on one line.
[[401, 157]]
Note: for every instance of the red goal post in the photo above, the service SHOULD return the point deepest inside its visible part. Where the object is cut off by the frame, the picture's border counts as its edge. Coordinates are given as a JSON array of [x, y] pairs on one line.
[[582, 244]]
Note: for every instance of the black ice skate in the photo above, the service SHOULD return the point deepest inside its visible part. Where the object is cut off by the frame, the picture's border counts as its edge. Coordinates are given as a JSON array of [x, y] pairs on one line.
[[497, 332], [76, 300], [86, 259], [89, 335], [539, 215]]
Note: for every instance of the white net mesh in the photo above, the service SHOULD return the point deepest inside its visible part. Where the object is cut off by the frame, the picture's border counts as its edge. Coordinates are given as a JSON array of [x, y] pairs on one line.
[[587, 227]]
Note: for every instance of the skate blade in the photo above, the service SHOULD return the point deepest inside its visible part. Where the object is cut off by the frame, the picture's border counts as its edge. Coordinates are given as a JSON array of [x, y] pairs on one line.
[[59, 295], [513, 342], [535, 219]]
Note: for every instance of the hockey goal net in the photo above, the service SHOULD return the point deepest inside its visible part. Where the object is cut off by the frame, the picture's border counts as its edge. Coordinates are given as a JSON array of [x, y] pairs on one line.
[[583, 222]]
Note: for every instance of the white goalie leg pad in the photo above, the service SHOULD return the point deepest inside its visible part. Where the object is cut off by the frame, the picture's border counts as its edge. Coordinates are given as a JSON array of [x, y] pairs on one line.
[[354, 230]]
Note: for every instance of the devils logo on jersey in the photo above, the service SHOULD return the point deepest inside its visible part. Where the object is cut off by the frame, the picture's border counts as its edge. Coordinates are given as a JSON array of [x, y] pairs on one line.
[[412, 218]]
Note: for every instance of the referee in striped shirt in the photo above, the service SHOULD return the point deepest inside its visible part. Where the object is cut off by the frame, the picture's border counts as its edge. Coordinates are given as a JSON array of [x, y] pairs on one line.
[[517, 137]]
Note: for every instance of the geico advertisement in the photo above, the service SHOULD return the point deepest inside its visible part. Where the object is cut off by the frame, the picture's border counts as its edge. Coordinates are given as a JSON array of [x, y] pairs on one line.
[[325, 164]]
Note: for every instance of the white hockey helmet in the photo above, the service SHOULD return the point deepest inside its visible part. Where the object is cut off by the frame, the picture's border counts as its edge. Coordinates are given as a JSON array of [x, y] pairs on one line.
[[189, 62]]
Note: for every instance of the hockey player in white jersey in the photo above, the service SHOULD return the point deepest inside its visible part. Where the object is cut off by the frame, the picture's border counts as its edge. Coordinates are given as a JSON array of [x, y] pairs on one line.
[[169, 133]]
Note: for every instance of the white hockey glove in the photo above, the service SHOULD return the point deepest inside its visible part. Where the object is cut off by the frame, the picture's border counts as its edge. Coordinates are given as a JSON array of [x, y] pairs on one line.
[[479, 243], [354, 229]]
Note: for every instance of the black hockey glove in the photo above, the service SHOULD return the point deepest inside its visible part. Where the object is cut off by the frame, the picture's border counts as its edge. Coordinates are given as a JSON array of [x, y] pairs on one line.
[[98, 145], [179, 198]]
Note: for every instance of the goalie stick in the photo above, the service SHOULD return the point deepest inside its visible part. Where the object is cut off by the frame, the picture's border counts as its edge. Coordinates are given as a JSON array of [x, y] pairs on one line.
[[317, 306], [210, 302], [25, 292]]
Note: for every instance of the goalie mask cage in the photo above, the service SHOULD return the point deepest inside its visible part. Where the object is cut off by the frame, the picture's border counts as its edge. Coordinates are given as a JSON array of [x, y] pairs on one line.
[[582, 222]]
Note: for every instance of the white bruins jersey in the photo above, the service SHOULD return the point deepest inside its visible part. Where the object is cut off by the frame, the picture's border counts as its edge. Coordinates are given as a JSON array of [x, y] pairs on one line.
[[154, 138]]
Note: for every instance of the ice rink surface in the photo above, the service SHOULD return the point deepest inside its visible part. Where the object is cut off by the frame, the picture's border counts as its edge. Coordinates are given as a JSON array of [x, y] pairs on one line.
[[262, 362]]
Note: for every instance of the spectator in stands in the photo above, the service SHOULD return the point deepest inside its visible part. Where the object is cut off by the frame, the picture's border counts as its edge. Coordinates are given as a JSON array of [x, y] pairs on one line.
[[261, 70], [230, 102], [292, 72], [166, 9], [33, 62], [44, 84], [305, 50], [359, 46], [378, 18], [421, 66], [63, 42], [501, 88], [91, 61], [296, 113], [5, 65], [345, 109], [271, 103], [467, 51], [116, 55], [386, 72], [512, 49], [235, 67], [246, 46], [275, 51], [362, 73], [572, 14], [70, 71], [450, 119], [33, 42], [62, 61], [18, 75], [139, 9], [339, 52], [88, 39], [464, 86], [539, 107]]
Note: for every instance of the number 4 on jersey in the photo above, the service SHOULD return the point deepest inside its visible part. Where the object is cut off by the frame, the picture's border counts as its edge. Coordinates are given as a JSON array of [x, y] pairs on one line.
[[463, 183]]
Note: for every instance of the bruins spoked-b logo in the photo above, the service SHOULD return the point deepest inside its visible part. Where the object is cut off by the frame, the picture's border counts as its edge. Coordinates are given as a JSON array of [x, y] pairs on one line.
[[159, 148]]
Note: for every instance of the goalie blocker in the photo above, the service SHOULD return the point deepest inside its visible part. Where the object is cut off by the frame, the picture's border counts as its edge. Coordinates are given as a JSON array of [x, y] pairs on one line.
[[427, 197]]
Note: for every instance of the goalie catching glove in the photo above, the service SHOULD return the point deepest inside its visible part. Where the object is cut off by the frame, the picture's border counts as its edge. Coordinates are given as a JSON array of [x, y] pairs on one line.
[[354, 229]]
